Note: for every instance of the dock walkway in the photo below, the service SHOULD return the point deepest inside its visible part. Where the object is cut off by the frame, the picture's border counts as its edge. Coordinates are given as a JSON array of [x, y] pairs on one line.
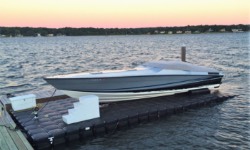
[[10, 137]]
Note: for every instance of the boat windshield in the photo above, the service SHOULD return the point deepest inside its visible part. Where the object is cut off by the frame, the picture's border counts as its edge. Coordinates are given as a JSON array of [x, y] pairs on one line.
[[178, 65]]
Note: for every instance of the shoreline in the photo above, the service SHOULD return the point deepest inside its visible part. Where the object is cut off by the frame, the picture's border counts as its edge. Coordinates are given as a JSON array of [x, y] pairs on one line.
[[124, 35], [67, 31]]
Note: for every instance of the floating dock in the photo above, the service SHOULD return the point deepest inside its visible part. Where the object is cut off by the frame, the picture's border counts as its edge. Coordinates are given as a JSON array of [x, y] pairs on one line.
[[49, 129]]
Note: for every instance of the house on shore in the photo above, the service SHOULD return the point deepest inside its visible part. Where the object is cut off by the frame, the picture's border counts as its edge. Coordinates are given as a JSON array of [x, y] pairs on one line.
[[223, 30], [197, 32], [237, 30], [19, 35], [210, 30], [170, 32], [50, 35], [178, 32], [2, 35], [162, 32]]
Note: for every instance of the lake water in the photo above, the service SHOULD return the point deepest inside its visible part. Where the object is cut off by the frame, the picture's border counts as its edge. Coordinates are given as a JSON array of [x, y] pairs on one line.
[[24, 61]]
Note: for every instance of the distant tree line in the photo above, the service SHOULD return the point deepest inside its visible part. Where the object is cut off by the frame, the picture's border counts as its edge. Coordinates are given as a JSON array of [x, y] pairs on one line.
[[28, 31]]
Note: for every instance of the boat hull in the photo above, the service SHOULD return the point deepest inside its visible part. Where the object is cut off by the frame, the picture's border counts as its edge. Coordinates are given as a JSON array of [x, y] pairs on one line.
[[124, 96], [134, 83]]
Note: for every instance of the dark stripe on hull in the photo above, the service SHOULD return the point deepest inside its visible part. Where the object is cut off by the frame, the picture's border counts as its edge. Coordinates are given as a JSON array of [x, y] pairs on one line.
[[134, 84]]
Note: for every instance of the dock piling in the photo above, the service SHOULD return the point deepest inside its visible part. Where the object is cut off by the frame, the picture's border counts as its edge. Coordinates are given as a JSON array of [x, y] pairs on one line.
[[183, 53]]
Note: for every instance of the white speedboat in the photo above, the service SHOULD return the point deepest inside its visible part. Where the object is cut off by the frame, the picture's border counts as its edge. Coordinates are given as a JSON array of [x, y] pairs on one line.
[[151, 79]]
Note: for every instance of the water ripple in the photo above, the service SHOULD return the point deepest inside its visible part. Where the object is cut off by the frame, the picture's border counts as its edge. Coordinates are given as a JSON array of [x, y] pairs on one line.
[[24, 61]]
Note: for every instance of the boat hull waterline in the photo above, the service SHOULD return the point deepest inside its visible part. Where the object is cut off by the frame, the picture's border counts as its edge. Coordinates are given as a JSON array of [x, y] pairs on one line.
[[124, 96]]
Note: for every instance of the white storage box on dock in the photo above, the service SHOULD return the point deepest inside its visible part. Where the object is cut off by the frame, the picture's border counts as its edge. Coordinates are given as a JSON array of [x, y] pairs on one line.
[[23, 102]]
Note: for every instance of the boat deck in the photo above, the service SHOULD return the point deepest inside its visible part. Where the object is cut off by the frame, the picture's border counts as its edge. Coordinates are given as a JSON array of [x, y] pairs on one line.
[[50, 130]]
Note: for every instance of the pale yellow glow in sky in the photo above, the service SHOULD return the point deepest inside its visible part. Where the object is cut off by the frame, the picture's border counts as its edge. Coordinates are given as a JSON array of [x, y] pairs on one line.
[[122, 13]]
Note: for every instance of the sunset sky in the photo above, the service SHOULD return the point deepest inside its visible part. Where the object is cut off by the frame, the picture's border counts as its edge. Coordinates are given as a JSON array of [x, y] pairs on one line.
[[122, 13]]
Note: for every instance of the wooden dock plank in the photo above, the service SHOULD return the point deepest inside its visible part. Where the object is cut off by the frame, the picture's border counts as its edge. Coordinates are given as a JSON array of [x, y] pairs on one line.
[[15, 137], [11, 139], [3, 144], [4, 99], [8, 139], [24, 140], [9, 120], [5, 118], [2, 114]]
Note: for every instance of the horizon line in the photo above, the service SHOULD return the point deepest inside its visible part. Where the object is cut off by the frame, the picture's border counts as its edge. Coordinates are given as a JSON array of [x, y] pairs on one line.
[[121, 27]]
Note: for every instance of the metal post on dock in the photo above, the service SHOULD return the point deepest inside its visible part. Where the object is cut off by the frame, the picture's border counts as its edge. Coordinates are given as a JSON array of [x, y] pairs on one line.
[[183, 53]]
